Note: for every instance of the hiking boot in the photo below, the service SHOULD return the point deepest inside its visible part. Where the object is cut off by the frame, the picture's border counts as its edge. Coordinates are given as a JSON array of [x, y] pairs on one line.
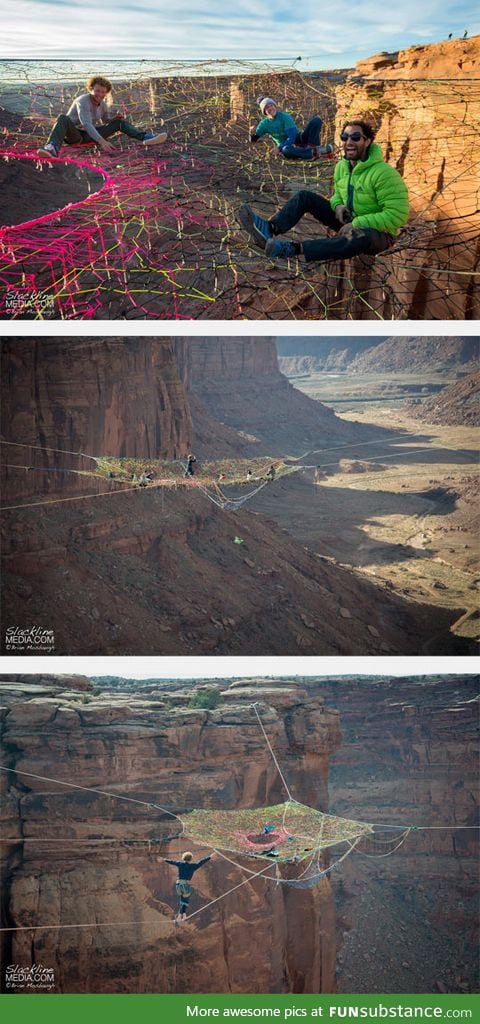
[[154, 139], [257, 227], [279, 248], [323, 151], [49, 149]]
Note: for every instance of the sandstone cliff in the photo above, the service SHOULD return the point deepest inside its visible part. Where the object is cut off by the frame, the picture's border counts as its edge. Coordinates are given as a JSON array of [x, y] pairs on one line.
[[81, 857], [310, 355], [370, 355], [455, 405], [145, 398], [113, 396], [409, 755], [419, 354], [424, 102], [155, 571], [232, 359], [407, 921], [238, 382]]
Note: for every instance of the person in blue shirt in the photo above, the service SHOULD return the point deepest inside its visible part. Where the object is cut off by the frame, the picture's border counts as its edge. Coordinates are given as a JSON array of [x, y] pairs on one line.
[[186, 870], [291, 142]]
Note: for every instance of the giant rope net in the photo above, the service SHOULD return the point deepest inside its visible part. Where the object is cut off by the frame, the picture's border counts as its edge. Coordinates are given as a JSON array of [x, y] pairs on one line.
[[152, 233]]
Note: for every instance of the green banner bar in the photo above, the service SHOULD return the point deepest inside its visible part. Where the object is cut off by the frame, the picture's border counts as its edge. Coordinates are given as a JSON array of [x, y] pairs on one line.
[[178, 1009]]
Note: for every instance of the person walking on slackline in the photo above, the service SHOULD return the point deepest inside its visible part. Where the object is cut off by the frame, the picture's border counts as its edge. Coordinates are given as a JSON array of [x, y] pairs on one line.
[[186, 870]]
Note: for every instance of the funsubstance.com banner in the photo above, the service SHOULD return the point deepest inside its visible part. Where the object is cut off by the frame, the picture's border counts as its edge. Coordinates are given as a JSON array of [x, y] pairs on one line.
[[180, 1009]]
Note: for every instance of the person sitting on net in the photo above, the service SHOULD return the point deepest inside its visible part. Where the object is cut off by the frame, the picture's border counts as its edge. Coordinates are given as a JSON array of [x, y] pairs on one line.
[[291, 142], [368, 207], [89, 119], [186, 870], [270, 474]]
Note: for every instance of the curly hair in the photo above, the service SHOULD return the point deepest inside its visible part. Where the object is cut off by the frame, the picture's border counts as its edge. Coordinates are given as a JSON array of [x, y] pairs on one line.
[[366, 128], [98, 80]]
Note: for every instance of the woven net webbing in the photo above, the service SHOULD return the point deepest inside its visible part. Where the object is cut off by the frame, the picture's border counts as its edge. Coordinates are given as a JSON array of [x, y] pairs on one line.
[[153, 232], [295, 830]]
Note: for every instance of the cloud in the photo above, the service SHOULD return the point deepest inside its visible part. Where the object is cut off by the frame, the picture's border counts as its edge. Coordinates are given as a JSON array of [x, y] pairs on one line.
[[253, 29]]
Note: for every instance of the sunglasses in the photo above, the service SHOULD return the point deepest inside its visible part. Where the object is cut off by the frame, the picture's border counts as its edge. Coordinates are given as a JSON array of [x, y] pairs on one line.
[[354, 136]]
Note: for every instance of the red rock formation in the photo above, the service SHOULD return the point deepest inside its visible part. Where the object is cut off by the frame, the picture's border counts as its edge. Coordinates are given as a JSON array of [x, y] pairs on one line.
[[424, 101], [307, 355], [237, 382], [155, 571], [399, 354], [178, 758], [220, 359], [416, 354], [409, 755], [138, 397], [456, 404], [109, 396]]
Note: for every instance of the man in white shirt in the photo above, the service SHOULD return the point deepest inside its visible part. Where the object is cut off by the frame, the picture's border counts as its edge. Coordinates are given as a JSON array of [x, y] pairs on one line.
[[88, 120]]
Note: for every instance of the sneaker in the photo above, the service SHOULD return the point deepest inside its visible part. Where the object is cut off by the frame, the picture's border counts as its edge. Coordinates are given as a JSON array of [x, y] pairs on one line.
[[256, 226], [153, 139], [325, 151], [279, 248], [49, 149]]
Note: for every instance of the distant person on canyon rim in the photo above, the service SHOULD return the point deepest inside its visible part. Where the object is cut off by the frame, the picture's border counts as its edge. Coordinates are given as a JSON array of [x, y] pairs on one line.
[[190, 464], [186, 870], [291, 142], [368, 207], [89, 119]]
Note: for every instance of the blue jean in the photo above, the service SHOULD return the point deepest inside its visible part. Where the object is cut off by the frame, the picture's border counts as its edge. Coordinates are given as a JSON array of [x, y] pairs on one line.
[[64, 130], [301, 148], [360, 241]]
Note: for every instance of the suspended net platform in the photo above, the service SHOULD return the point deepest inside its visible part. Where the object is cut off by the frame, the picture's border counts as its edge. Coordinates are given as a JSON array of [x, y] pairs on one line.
[[294, 831], [135, 233]]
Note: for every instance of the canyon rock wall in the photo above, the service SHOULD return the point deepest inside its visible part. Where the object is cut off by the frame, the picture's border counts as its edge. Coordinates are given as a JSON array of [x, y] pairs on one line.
[[408, 756], [457, 404], [232, 359], [418, 354], [310, 355], [145, 398], [425, 104], [399, 354], [238, 382], [97, 864], [109, 396]]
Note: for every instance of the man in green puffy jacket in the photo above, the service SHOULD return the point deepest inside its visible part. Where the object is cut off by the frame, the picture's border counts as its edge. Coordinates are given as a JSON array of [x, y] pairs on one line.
[[368, 207]]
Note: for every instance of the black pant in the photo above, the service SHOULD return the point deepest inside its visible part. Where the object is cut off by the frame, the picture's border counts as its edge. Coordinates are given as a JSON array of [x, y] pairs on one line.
[[302, 148], [64, 130], [361, 240]]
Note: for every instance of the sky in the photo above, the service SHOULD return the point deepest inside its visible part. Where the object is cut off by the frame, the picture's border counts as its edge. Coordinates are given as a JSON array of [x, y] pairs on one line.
[[326, 35], [224, 667]]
